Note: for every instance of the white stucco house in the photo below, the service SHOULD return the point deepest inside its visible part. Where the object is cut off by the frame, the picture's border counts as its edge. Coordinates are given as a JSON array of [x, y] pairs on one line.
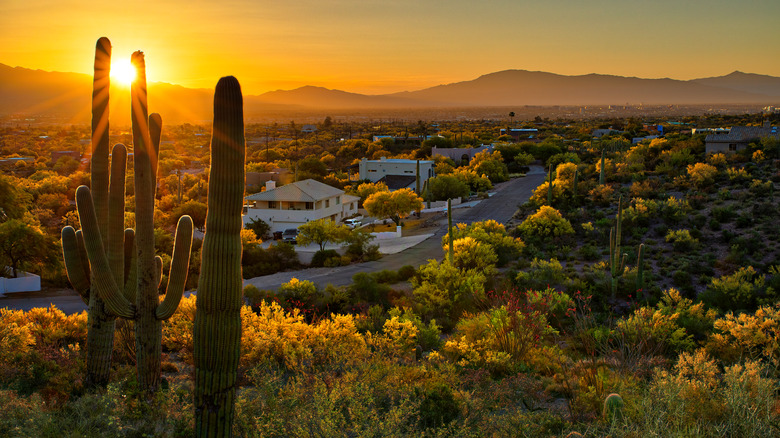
[[294, 204], [396, 173]]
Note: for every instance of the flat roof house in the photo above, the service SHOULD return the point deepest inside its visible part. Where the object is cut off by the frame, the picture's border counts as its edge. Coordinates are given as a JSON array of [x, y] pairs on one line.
[[396, 173], [738, 138], [294, 204]]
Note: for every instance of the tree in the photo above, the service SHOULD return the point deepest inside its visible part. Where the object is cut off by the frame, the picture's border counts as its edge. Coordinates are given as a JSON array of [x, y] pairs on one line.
[[259, 226], [321, 232], [491, 165], [394, 205], [24, 246], [444, 187], [311, 167], [367, 189], [196, 210]]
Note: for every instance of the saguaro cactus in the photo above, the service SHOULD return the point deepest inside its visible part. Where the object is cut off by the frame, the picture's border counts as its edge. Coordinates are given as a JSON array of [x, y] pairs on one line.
[[100, 334], [217, 334], [617, 260], [576, 182], [114, 267]]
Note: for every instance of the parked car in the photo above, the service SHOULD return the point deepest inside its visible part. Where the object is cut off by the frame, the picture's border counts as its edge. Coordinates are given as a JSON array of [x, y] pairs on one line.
[[290, 235], [353, 223]]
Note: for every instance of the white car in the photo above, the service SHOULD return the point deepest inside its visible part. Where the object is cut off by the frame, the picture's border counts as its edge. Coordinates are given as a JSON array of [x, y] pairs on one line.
[[353, 223]]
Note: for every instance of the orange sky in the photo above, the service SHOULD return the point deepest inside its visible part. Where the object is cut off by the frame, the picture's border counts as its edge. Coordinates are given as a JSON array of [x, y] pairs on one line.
[[382, 46]]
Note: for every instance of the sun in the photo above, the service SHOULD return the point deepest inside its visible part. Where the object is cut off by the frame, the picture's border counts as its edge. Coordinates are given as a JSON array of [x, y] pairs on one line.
[[123, 72]]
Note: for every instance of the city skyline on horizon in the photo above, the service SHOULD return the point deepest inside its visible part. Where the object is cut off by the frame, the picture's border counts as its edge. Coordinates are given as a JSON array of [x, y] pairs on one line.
[[372, 47]]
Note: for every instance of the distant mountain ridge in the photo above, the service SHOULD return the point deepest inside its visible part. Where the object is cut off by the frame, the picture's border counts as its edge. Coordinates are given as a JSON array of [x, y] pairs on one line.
[[26, 91]]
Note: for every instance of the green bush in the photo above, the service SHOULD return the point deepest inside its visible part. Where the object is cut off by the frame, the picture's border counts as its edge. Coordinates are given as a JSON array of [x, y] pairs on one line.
[[742, 290], [681, 240], [321, 257], [406, 272], [546, 222]]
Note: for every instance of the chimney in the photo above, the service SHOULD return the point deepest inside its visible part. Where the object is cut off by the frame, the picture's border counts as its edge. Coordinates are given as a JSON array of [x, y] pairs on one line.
[[270, 185]]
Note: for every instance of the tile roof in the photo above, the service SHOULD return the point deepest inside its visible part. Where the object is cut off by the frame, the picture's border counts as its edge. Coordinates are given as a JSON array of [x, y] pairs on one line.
[[743, 134], [307, 190]]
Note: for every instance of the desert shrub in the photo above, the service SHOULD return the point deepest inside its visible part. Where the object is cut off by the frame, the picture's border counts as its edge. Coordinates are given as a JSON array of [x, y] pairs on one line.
[[437, 405], [540, 195], [406, 272], [366, 288], [717, 159], [398, 338], [256, 261], [674, 211], [701, 174], [359, 245], [299, 293], [723, 214], [324, 256], [386, 276], [490, 232], [273, 335], [443, 292], [737, 175], [681, 240], [695, 395], [471, 254], [546, 222], [697, 321], [748, 335], [601, 194], [742, 290], [540, 275], [643, 189], [759, 188], [641, 212], [260, 227]]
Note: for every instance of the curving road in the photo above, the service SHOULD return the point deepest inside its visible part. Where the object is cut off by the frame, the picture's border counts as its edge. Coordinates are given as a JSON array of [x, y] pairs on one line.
[[499, 207]]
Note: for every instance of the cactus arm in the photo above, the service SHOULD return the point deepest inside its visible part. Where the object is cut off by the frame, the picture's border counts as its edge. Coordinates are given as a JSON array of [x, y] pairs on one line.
[[73, 263], [83, 253], [640, 268], [217, 329], [116, 214], [103, 281], [99, 167], [180, 263], [158, 270]]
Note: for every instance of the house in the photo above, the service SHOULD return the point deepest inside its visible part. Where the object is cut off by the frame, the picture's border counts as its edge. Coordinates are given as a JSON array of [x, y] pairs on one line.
[[378, 170], [738, 138], [518, 134], [460, 154], [292, 205]]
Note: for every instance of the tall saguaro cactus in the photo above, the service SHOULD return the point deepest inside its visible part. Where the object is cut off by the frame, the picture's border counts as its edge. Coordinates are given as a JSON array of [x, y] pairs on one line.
[[113, 266], [217, 333], [617, 260], [100, 334]]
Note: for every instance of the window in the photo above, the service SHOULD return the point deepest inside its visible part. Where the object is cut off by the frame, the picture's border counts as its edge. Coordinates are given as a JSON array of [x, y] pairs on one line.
[[310, 206], [732, 146], [272, 204], [338, 200], [327, 203]]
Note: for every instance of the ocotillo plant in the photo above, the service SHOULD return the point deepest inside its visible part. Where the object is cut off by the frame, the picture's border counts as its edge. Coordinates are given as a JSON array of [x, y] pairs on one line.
[[617, 261], [217, 334], [100, 334], [451, 253], [112, 278]]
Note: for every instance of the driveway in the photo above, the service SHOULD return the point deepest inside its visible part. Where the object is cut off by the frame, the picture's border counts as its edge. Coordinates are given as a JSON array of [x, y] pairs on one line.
[[408, 250]]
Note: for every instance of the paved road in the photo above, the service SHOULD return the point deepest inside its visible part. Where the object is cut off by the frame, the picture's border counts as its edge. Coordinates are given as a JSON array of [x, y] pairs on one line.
[[500, 207]]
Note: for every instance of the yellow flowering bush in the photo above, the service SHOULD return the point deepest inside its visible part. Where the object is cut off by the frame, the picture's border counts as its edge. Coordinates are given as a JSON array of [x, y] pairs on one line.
[[737, 174], [285, 338], [546, 222], [718, 159], [601, 194], [755, 336], [49, 326], [701, 174], [398, 338]]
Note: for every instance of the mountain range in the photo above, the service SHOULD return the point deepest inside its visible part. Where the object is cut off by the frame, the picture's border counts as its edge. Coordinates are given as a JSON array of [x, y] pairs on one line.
[[67, 95]]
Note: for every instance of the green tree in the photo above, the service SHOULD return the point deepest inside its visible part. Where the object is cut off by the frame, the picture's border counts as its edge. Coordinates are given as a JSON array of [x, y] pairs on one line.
[[491, 165], [24, 246], [260, 227], [367, 189], [311, 167], [321, 232], [196, 210], [394, 205], [444, 187]]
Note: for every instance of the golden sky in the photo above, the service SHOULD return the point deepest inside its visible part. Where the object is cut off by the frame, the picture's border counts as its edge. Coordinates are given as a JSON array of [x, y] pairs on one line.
[[383, 46]]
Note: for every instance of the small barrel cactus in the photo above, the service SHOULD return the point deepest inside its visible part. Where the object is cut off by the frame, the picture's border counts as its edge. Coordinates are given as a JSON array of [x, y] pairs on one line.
[[613, 408]]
